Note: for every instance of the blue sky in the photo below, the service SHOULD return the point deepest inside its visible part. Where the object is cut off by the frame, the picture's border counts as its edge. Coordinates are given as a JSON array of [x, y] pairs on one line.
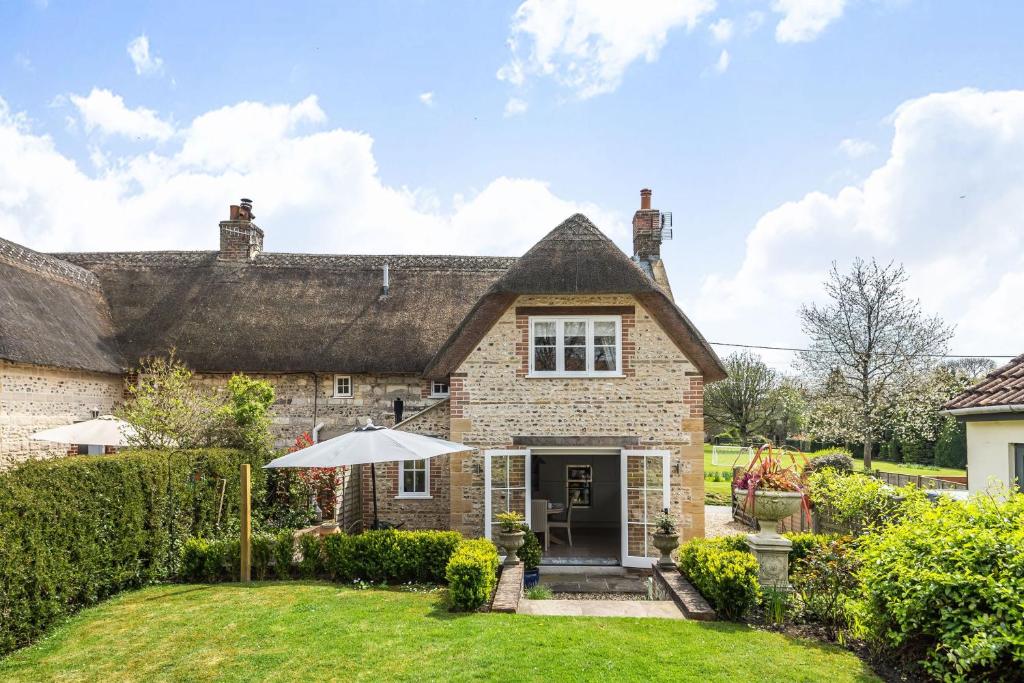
[[475, 127]]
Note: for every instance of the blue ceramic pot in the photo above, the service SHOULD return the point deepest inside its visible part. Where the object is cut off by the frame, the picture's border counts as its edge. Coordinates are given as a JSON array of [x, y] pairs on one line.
[[531, 577]]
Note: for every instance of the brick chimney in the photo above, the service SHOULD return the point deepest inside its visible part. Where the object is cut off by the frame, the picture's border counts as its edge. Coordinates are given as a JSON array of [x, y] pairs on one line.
[[647, 230], [240, 238]]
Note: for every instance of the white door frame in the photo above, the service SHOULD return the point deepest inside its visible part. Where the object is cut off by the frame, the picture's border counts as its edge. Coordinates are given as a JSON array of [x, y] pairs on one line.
[[501, 452], [666, 457]]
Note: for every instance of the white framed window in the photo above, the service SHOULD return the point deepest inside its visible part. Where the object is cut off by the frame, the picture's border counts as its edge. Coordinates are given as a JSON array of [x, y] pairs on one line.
[[342, 386], [438, 389], [413, 479], [579, 346]]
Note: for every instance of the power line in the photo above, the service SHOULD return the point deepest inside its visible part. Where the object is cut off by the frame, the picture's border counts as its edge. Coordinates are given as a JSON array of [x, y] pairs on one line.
[[880, 353]]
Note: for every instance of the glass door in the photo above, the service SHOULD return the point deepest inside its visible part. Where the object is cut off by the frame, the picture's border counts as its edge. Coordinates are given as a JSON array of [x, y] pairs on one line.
[[506, 485], [645, 494]]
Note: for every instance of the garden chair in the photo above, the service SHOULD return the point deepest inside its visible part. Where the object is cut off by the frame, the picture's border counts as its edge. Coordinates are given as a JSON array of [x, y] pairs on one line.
[[567, 524]]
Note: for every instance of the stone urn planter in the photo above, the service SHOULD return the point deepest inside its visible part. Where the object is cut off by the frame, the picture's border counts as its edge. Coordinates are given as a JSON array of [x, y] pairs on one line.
[[771, 507], [665, 543], [511, 541], [769, 547]]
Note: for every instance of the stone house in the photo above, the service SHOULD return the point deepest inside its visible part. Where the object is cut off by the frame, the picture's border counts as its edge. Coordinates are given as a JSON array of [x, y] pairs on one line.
[[570, 370]]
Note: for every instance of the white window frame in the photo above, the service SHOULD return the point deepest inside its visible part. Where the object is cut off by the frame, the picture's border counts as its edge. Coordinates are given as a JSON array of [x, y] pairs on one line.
[[434, 393], [335, 393], [560, 346], [402, 493]]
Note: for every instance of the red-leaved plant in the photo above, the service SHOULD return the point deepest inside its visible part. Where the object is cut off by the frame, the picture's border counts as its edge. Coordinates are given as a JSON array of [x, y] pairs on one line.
[[322, 481], [774, 469]]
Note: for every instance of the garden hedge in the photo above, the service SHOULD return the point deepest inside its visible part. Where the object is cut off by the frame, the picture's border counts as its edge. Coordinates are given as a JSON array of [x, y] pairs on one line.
[[472, 573], [76, 530], [390, 556], [725, 575]]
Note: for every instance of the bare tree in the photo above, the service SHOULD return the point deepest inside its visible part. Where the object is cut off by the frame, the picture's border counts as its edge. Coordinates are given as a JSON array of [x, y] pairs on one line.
[[868, 341], [745, 400]]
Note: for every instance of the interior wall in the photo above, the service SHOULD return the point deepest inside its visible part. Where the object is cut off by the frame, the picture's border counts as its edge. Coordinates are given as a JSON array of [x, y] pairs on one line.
[[606, 507]]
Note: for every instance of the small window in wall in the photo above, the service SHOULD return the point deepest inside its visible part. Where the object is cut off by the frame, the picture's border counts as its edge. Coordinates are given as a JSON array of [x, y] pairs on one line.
[[573, 347], [342, 386], [438, 389], [1018, 466], [413, 479], [578, 485]]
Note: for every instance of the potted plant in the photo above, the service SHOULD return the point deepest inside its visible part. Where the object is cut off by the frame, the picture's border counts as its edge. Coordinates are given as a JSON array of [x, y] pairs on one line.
[[772, 488], [530, 554], [510, 535], [666, 537]]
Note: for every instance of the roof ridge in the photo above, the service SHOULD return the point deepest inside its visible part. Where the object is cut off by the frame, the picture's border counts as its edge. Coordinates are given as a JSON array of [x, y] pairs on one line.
[[47, 264], [287, 259]]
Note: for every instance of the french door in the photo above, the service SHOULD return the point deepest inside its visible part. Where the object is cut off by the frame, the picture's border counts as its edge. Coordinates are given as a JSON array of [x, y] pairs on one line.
[[506, 485], [645, 494]]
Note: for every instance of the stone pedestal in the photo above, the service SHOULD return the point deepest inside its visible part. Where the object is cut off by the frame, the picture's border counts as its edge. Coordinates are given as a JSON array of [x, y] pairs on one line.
[[772, 553]]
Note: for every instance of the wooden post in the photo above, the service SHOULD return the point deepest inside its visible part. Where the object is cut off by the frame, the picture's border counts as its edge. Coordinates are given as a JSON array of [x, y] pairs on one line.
[[246, 511]]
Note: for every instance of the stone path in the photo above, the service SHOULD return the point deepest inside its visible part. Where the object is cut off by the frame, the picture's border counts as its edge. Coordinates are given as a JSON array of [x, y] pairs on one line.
[[718, 522], [656, 609], [592, 582]]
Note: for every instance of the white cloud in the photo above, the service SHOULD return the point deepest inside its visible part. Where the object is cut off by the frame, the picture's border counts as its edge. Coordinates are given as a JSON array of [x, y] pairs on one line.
[[145, 63], [23, 62], [317, 189], [104, 111], [515, 107], [854, 148], [723, 62], [722, 30], [427, 98], [947, 203], [804, 20], [587, 45]]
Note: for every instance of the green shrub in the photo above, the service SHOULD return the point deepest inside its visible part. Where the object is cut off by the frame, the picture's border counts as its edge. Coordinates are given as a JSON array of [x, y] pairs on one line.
[[390, 556], [311, 565], [530, 552], [943, 587], [824, 577], [77, 530], [209, 561], [284, 553], [951, 446], [263, 545], [838, 459], [472, 573], [856, 502], [539, 592], [726, 578]]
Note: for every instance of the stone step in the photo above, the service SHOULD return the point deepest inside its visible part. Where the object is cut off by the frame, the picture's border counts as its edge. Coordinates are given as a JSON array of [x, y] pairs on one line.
[[646, 609]]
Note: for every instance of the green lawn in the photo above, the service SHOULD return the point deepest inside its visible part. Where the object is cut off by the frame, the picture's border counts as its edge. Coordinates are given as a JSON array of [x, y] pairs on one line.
[[320, 631]]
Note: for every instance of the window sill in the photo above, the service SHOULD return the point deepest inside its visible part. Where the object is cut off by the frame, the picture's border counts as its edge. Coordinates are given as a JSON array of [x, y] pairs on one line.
[[576, 375], [342, 396], [439, 396], [413, 496]]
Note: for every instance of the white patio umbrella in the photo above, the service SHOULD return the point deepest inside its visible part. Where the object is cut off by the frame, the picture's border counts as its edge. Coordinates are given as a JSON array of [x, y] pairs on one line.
[[105, 430], [367, 446]]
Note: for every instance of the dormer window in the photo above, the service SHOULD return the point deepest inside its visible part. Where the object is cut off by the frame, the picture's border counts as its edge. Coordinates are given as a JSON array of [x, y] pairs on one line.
[[577, 346]]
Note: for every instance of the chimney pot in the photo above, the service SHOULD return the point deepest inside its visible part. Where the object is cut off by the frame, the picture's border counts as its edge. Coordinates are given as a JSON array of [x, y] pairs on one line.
[[645, 199], [240, 238]]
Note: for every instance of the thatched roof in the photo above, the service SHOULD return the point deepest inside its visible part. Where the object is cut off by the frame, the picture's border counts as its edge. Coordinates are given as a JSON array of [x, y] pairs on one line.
[[1002, 390], [289, 312], [576, 258], [53, 313]]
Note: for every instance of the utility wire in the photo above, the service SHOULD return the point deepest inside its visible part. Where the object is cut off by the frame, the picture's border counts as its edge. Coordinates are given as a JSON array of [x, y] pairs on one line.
[[880, 353]]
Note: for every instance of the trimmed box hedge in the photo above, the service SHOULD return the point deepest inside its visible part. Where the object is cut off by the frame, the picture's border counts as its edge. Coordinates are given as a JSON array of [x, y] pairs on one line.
[[725, 575], [389, 556], [472, 573], [76, 530]]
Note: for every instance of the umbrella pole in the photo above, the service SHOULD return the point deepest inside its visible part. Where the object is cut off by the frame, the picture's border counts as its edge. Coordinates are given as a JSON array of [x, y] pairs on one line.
[[373, 482]]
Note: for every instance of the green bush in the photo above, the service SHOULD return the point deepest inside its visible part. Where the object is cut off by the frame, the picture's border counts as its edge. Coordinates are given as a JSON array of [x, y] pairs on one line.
[[726, 578], [76, 530], [209, 561], [390, 556], [943, 587], [824, 577], [838, 459], [284, 553], [951, 446], [856, 502], [530, 552], [263, 546], [311, 565], [472, 573]]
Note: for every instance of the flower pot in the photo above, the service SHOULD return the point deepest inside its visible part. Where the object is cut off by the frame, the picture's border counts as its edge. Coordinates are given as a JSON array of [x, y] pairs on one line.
[[531, 577], [665, 543], [771, 507], [511, 541]]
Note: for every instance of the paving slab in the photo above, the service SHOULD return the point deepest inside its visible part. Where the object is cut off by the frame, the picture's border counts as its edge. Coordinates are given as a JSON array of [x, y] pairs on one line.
[[648, 609]]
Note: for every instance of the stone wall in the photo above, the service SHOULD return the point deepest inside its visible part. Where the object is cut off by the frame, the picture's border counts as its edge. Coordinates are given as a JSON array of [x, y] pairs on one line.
[[661, 405], [298, 407], [33, 398], [416, 513]]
